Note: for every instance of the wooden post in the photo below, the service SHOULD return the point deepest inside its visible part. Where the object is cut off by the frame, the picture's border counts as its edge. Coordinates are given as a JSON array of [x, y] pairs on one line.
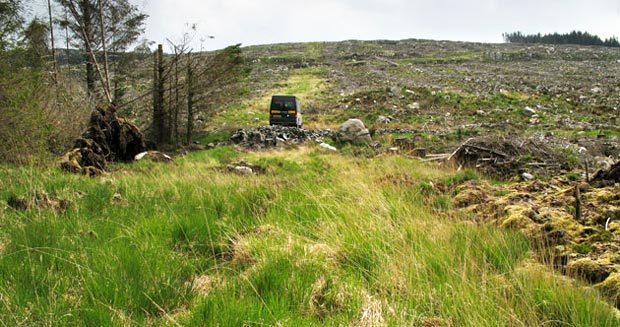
[[577, 195]]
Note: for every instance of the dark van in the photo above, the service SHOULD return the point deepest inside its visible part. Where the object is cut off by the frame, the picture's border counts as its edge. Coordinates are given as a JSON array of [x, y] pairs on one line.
[[285, 110]]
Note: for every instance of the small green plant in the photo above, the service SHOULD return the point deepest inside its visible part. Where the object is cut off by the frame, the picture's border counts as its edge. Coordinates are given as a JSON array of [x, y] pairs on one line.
[[582, 248], [426, 189], [571, 156], [573, 177], [526, 158], [224, 154], [461, 177], [214, 136], [442, 202]]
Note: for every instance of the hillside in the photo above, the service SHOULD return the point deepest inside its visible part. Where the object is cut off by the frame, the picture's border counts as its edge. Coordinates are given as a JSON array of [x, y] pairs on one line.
[[570, 88], [381, 235]]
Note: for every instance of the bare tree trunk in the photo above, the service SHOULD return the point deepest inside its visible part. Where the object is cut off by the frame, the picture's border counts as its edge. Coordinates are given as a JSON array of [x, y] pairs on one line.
[[155, 86], [103, 47], [170, 112], [175, 122], [67, 42], [159, 123], [86, 25], [55, 68], [190, 102], [92, 66]]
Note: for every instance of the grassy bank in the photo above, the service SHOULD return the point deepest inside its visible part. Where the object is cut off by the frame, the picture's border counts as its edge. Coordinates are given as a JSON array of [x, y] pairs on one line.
[[320, 239]]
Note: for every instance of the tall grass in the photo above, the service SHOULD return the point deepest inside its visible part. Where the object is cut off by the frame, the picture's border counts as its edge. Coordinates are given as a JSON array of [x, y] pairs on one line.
[[320, 239]]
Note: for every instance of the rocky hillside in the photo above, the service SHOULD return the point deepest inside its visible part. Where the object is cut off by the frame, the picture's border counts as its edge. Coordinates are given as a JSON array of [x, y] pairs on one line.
[[454, 84], [542, 118]]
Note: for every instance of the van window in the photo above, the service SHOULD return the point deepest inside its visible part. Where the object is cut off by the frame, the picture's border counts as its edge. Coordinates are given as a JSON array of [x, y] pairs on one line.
[[289, 105], [277, 105]]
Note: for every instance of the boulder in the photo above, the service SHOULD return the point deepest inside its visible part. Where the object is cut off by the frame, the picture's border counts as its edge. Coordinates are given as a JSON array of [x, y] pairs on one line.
[[527, 176], [328, 147], [610, 287], [353, 131]]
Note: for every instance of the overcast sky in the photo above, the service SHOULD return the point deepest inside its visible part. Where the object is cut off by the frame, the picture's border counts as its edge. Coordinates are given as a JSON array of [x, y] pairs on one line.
[[253, 22]]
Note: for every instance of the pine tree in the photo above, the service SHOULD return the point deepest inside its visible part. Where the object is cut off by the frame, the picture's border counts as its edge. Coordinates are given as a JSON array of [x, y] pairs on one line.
[[574, 37], [100, 26], [11, 22]]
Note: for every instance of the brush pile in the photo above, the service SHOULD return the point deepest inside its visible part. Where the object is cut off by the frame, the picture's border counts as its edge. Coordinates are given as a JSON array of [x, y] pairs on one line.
[[504, 157]]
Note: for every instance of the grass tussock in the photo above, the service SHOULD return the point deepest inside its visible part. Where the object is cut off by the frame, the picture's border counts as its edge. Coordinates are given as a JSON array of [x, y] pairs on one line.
[[320, 239]]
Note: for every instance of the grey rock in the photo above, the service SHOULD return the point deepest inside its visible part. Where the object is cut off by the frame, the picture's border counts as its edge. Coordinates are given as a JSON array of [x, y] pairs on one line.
[[274, 136], [529, 111], [527, 176], [353, 131], [242, 170], [328, 147], [383, 120]]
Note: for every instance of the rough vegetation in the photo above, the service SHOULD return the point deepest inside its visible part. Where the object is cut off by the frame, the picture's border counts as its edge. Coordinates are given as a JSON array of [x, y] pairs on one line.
[[313, 238], [504, 201]]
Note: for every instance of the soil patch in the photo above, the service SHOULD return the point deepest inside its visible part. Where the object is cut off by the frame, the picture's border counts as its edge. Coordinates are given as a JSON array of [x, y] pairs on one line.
[[39, 199]]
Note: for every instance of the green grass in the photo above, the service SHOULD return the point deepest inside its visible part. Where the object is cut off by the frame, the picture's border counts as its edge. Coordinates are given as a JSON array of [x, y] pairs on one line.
[[320, 239], [305, 83]]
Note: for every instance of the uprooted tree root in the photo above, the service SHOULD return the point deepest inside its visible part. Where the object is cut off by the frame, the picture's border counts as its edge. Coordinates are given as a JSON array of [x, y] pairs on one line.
[[107, 139], [607, 177]]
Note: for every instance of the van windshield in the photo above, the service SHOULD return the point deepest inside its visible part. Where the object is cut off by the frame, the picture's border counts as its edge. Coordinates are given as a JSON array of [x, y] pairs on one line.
[[283, 105]]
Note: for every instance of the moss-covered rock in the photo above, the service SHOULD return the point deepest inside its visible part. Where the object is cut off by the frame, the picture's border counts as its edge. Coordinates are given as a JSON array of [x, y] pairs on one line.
[[589, 270], [610, 287]]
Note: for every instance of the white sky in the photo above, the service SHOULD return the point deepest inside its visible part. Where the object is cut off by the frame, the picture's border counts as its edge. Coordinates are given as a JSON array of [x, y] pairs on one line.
[[253, 22]]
